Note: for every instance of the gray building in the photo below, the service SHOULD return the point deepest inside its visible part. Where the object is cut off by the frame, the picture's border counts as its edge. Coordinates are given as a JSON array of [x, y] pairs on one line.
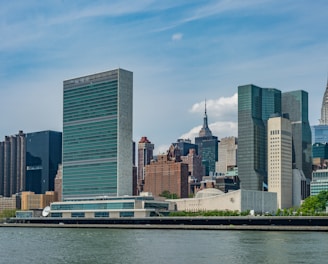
[[12, 164], [295, 103], [97, 135]]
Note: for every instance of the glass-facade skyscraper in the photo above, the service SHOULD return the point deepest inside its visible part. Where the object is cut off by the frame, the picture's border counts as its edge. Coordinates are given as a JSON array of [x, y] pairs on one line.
[[295, 103], [97, 135], [43, 155], [255, 105]]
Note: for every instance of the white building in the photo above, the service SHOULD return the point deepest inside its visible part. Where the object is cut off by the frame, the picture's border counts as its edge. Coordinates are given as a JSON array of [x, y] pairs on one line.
[[227, 154]]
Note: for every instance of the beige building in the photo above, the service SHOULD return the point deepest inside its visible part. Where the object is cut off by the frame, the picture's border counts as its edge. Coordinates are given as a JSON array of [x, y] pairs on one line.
[[280, 174], [227, 154], [30, 200], [59, 182], [9, 203], [240, 200]]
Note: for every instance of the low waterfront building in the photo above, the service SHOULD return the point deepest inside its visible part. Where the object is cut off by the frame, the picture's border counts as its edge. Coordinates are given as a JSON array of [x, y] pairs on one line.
[[240, 200], [30, 200], [110, 207], [9, 203]]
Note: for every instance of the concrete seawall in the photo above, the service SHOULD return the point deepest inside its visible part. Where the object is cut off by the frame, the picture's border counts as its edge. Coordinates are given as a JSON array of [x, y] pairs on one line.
[[265, 223]]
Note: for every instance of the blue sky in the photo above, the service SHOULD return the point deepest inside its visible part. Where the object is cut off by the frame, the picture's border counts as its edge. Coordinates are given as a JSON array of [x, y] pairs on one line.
[[180, 52]]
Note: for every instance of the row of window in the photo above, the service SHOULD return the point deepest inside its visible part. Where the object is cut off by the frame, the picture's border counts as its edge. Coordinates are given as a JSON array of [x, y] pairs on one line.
[[96, 214]]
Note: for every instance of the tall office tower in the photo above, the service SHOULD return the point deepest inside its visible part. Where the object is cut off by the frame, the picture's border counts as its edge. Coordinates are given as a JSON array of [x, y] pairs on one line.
[[185, 145], [145, 155], [295, 103], [97, 135], [255, 105], [280, 172], [59, 182], [12, 164], [43, 155], [168, 173], [207, 147], [227, 154]]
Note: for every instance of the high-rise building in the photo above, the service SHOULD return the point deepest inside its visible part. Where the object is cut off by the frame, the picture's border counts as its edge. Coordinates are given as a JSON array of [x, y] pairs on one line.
[[207, 147], [227, 154], [195, 166], [97, 135], [43, 155], [320, 132], [295, 103], [280, 172], [12, 164], [319, 181], [145, 155], [255, 105]]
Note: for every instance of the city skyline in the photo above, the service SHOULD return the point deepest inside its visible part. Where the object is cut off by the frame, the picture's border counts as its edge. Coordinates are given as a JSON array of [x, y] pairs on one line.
[[180, 54]]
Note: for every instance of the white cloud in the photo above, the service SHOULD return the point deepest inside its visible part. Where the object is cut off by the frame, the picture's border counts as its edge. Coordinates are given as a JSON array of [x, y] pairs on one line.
[[177, 36], [161, 149], [223, 108], [219, 129]]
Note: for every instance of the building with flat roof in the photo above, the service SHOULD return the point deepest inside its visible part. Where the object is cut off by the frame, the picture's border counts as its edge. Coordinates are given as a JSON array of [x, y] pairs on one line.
[[280, 172], [97, 135], [145, 155], [228, 147], [319, 181], [31, 200], [43, 155], [168, 173]]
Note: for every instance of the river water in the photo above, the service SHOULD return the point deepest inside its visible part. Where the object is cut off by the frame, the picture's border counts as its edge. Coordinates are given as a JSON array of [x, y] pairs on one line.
[[73, 245]]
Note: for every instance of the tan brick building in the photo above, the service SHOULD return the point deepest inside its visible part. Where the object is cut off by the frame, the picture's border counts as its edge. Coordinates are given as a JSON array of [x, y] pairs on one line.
[[30, 200]]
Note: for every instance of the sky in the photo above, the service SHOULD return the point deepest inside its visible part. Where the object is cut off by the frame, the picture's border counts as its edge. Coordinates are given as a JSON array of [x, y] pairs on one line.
[[181, 53]]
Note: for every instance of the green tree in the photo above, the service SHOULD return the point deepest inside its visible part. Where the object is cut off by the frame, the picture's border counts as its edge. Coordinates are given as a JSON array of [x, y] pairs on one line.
[[315, 204], [169, 195]]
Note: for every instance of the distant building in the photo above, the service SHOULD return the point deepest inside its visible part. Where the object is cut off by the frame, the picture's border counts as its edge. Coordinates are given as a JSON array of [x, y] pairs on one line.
[[195, 166], [12, 164], [227, 154], [43, 155], [168, 173], [319, 181], [59, 183], [145, 155], [280, 176], [97, 135], [10, 203], [30, 200], [185, 145], [207, 147]]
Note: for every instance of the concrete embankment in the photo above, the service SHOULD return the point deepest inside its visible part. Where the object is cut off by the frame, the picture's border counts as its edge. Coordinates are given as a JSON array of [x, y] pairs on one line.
[[265, 223]]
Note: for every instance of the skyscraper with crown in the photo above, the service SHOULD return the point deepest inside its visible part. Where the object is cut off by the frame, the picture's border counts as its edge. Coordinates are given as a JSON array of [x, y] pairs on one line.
[[207, 146]]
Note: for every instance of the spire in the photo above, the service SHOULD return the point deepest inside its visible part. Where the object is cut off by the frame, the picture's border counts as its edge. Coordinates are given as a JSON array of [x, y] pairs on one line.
[[205, 131]]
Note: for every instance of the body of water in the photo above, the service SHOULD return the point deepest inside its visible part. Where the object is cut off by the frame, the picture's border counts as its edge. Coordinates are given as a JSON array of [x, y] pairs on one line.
[[73, 245]]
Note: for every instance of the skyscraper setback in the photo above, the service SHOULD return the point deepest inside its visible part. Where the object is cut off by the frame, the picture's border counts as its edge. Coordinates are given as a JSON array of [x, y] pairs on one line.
[[97, 135]]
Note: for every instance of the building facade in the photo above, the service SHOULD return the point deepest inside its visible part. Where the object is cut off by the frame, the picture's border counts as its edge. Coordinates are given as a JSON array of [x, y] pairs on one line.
[[207, 147], [12, 164], [168, 173], [97, 135], [280, 173], [195, 166], [185, 145], [227, 154], [295, 103], [255, 105], [43, 155], [145, 155], [319, 181]]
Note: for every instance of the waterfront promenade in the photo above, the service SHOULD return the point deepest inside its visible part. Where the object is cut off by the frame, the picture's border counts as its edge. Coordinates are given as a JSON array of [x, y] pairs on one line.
[[265, 223]]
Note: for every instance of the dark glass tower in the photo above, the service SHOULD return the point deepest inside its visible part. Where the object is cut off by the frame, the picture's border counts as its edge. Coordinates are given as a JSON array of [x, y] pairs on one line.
[[207, 147], [255, 105], [43, 155], [295, 103]]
